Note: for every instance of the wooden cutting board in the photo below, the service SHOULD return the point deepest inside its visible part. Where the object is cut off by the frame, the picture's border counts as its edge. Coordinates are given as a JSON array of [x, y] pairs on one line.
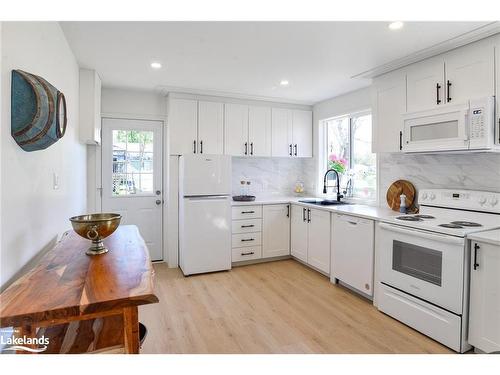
[[396, 189]]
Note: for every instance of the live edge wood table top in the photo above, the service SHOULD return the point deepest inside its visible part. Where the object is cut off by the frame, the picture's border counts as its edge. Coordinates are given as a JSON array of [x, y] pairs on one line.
[[67, 286]]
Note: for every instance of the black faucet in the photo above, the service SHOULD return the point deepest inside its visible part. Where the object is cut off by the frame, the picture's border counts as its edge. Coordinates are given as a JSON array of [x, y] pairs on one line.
[[338, 183]]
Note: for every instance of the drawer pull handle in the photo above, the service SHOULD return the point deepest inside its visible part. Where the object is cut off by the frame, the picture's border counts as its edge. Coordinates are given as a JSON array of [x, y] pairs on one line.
[[248, 226], [247, 239], [352, 222], [247, 212], [249, 253]]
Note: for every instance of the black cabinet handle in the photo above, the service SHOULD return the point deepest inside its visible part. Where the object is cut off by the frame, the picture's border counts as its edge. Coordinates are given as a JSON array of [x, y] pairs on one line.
[[248, 226], [249, 253], [194, 146], [201, 147], [247, 212], [438, 86], [476, 248], [308, 215], [400, 140], [303, 214], [247, 239], [287, 210], [290, 149], [448, 85], [251, 148], [246, 148], [295, 153]]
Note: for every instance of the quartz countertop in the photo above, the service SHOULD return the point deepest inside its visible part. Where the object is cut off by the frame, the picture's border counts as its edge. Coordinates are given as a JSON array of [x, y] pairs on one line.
[[490, 236], [355, 209]]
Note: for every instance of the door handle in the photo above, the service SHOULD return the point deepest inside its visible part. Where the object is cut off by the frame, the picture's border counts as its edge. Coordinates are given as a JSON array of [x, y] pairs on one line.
[[438, 86], [290, 152], [251, 148], [201, 147], [303, 214], [476, 248], [158, 202], [308, 215], [448, 85], [295, 149], [400, 140], [246, 148], [287, 210], [194, 146]]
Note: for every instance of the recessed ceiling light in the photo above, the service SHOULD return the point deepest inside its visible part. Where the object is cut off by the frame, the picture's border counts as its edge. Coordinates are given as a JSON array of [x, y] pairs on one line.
[[396, 25], [155, 65], [284, 82]]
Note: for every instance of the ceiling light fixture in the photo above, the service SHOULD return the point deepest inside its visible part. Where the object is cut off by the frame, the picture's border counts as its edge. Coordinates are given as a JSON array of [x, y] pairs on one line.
[[284, 82], [396, 25], [155, 65]]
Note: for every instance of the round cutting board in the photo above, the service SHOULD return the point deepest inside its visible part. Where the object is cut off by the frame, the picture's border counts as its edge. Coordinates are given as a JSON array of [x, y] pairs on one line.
[[396, 189]]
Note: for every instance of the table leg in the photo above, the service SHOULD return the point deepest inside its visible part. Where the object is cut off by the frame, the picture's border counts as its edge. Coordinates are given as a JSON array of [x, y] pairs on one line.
[[131, 330]]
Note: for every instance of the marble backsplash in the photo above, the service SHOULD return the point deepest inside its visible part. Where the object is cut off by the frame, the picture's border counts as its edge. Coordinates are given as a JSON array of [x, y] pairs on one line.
[[273, 176], [470, 171]]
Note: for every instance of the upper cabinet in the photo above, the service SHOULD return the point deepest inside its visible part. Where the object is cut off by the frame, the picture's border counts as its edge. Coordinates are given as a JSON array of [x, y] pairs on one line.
[[259, 131], [388, 107], [195, 127], [236, 133], [291, 132], [90, 107], [425, 84], [497, 75]]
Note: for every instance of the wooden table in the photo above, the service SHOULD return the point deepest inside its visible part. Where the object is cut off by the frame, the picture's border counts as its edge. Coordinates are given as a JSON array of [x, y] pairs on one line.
[[83, 303]]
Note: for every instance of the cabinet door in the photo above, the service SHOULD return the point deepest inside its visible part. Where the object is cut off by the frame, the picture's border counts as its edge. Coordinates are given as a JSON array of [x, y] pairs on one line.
[[210, 128], [425, 85], [276, 230], [318, 249], [484, 310], [182, 126], [470, 73], [281, 132], [497, 88], [259, 131], [352, 252], [299, 228], [236, 130], [388, 106], [302, 133]]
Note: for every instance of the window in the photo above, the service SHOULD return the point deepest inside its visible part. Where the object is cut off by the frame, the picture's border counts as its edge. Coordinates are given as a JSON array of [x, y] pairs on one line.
[[348, 151]]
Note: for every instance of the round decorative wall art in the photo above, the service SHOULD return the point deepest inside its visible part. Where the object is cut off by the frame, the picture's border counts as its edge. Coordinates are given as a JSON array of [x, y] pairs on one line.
[[38, 112]]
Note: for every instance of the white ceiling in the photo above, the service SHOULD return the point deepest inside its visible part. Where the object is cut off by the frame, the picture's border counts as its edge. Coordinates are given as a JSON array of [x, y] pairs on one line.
[[250, 58]]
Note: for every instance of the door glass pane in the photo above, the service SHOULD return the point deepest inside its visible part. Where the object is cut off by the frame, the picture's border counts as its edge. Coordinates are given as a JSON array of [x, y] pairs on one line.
[[440, 130], [132, 162], [420, 262]]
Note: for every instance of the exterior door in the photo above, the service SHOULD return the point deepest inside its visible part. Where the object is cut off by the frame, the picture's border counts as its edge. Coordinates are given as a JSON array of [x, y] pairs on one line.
[[132, 177]]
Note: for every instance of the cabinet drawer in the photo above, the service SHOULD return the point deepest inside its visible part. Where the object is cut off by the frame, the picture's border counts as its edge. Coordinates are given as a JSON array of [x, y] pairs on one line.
[[246, 226], [246, 253], [247, 212], [247, 239]]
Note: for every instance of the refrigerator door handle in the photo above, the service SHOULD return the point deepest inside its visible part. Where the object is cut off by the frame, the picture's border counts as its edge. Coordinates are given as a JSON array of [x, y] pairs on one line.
[[208, 197]]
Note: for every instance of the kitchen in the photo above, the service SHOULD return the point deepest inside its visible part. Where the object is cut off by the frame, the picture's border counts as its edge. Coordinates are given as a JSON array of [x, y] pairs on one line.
[[278, 209]]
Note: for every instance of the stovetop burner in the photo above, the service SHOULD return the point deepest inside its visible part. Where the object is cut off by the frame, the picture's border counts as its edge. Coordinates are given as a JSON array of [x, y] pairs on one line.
[[466, 223], [409, 218], [424, 216], [451, 225]]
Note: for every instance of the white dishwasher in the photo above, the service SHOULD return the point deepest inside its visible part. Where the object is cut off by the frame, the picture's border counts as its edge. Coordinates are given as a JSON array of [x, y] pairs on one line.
[[352, 259]]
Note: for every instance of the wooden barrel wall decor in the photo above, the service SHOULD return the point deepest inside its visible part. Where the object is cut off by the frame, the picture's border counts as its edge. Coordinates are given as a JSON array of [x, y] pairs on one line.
[[38, 112]]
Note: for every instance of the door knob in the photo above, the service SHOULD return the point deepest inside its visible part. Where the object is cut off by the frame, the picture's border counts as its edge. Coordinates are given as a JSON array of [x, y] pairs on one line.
[[158, 202], [158, 192]]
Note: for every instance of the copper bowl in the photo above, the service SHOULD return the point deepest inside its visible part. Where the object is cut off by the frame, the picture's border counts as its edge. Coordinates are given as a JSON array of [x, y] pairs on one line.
[[96, 227]]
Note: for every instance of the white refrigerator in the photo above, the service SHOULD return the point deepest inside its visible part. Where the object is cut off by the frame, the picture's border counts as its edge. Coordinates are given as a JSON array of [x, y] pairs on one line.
[[204, 213]]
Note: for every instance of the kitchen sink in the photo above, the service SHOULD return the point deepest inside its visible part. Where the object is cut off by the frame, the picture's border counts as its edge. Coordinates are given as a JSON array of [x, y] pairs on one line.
[[323, 202]]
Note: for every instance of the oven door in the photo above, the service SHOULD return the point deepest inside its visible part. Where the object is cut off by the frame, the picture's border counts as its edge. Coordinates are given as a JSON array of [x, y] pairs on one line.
[[426, 265], [443, 129]]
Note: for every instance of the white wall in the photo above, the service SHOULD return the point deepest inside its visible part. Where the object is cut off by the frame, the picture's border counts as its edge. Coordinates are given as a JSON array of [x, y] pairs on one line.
[[133, 103], [33, 214]]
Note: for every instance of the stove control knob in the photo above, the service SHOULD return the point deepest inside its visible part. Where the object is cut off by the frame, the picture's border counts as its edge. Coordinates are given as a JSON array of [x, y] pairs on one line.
[[432, 196], [482, 200], [424, 196], [493, 201]]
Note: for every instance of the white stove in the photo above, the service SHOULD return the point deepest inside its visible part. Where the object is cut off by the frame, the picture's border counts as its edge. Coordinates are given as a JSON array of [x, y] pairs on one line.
[[424, 259]]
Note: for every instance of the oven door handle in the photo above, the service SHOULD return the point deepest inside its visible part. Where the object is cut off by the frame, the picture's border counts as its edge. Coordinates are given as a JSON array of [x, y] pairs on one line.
[[422, 234]]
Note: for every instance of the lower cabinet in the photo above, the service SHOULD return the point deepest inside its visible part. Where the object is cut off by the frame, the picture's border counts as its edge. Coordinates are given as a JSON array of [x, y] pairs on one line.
[[484, 310], [310, 239], [276, 230]]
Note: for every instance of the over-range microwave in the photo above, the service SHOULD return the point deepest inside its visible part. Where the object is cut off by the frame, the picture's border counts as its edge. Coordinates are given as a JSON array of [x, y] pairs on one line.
[[468, 126]]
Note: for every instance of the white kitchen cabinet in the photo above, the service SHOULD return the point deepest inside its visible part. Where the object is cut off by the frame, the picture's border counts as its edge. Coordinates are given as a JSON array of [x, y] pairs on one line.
[[246, 233], [90, 107], [353, 252], [276, 230], [183, 126], [484, 307], [236, 129], [210, 128], [281, 132], [302, 133], [299, 232], [259, 131], [425, 82], [497, 76], [318, 243], [388, 107], [470, 72]]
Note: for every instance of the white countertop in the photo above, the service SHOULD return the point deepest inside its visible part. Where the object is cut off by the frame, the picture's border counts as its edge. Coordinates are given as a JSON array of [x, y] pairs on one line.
[[359, 210], [490, 236]]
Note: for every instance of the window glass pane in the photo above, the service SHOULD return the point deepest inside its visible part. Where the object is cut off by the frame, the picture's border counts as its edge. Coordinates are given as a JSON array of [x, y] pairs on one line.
[[338, 143], [132, 162], [363, 166]]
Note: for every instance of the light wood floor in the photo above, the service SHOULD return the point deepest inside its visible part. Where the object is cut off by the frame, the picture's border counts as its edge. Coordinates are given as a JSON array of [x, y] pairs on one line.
[[277, 307]]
